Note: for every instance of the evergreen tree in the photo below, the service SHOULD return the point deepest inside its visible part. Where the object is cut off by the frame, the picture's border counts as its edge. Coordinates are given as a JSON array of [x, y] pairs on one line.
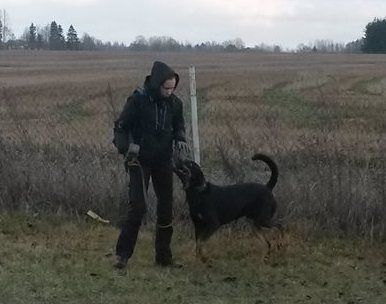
[[32, 37], [54, 36], [62, 41], [375, 37], [39, 42], [72, 39], [56, 39]]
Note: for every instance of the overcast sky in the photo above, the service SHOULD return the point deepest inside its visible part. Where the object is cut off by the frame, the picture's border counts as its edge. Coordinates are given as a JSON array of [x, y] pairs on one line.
[[283, 22]]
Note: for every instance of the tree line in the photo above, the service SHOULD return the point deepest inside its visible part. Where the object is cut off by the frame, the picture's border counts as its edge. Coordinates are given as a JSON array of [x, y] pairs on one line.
[[52, 37]]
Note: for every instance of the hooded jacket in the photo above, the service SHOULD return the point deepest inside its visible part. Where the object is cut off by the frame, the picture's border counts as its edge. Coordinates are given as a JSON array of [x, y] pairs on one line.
[[150, 120]]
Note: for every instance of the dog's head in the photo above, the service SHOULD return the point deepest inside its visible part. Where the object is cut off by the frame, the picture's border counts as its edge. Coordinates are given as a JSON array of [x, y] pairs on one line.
[[190, 174]]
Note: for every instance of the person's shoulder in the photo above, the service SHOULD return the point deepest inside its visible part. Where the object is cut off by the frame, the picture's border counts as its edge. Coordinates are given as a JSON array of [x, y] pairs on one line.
[[137, 95], [139, 92]]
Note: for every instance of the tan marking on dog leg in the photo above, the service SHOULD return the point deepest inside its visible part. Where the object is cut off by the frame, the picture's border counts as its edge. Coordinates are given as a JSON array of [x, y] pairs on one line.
[[198, 249], [277, 238], [200, 252], [265, 244]]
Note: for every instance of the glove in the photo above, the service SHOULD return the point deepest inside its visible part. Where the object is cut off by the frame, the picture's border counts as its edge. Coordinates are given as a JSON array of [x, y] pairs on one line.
[[182, 150], [131, 155]]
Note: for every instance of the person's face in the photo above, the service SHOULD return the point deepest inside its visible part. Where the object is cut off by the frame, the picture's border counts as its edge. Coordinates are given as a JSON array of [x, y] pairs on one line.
[[167, 88]]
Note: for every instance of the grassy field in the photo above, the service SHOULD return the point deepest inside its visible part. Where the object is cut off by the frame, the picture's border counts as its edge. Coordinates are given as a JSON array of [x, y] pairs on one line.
[[320, 116], [62, 261]]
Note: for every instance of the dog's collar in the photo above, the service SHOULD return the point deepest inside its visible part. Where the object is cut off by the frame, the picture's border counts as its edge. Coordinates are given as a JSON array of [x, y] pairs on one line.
[[201, 188]]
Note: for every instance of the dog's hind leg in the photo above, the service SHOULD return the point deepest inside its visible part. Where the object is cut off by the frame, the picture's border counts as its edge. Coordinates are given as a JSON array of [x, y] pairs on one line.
[[279, 236], [261, 235], [265, 245]]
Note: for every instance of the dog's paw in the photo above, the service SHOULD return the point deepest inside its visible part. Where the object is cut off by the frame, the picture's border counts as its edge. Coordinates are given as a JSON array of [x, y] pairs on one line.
[[202, 258], [208, 262]]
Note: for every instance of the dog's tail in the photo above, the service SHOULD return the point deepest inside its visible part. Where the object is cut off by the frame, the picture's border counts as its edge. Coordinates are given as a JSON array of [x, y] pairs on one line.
[[272, 165]]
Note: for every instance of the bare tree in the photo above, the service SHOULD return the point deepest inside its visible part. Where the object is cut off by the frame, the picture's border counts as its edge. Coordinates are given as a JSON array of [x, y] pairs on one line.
[[236, 44], [140, 44], [6, 30], [1, 32], [44, 36]]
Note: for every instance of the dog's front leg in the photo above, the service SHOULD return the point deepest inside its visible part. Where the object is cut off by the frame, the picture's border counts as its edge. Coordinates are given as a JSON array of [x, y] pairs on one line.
[[203, 231], [199, 242], [199, 250]]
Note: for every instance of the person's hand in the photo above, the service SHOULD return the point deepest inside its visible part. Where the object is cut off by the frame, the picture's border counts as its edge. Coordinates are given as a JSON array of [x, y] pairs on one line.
[[131, 155]]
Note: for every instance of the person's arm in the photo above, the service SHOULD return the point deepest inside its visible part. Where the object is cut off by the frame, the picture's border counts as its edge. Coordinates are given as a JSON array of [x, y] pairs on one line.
[[179, 123], [124, 125], [182, 149]]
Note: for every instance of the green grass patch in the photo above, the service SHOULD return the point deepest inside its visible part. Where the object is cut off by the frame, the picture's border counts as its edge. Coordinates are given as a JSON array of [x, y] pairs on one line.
[[297, 111], [54, 261], [203, 98], [362, 86]]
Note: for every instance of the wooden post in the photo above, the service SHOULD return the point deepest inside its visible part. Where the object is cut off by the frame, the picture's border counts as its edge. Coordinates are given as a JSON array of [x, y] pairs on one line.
[[193, 103]]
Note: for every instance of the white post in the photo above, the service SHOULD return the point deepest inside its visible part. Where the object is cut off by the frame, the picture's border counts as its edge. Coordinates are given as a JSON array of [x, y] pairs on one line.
[[193, 103]]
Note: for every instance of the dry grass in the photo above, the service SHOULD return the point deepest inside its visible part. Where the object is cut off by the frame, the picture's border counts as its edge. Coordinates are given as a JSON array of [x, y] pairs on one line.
[[321, 117]]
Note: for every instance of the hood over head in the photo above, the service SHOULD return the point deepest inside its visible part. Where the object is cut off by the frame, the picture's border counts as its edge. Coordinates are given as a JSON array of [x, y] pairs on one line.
[[160, 72]]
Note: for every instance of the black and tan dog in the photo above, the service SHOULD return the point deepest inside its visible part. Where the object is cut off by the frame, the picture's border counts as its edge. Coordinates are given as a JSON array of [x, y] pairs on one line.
[[211, 206]]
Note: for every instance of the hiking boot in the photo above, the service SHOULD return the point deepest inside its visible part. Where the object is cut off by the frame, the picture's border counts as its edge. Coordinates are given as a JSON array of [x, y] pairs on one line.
[[120, 263]]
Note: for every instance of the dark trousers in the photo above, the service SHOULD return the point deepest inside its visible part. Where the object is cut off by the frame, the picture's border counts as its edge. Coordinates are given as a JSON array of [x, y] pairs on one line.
[[162, 179]]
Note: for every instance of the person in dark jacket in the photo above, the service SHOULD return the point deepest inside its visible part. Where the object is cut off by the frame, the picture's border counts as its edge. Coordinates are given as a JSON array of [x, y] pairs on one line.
[[150, 123]]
